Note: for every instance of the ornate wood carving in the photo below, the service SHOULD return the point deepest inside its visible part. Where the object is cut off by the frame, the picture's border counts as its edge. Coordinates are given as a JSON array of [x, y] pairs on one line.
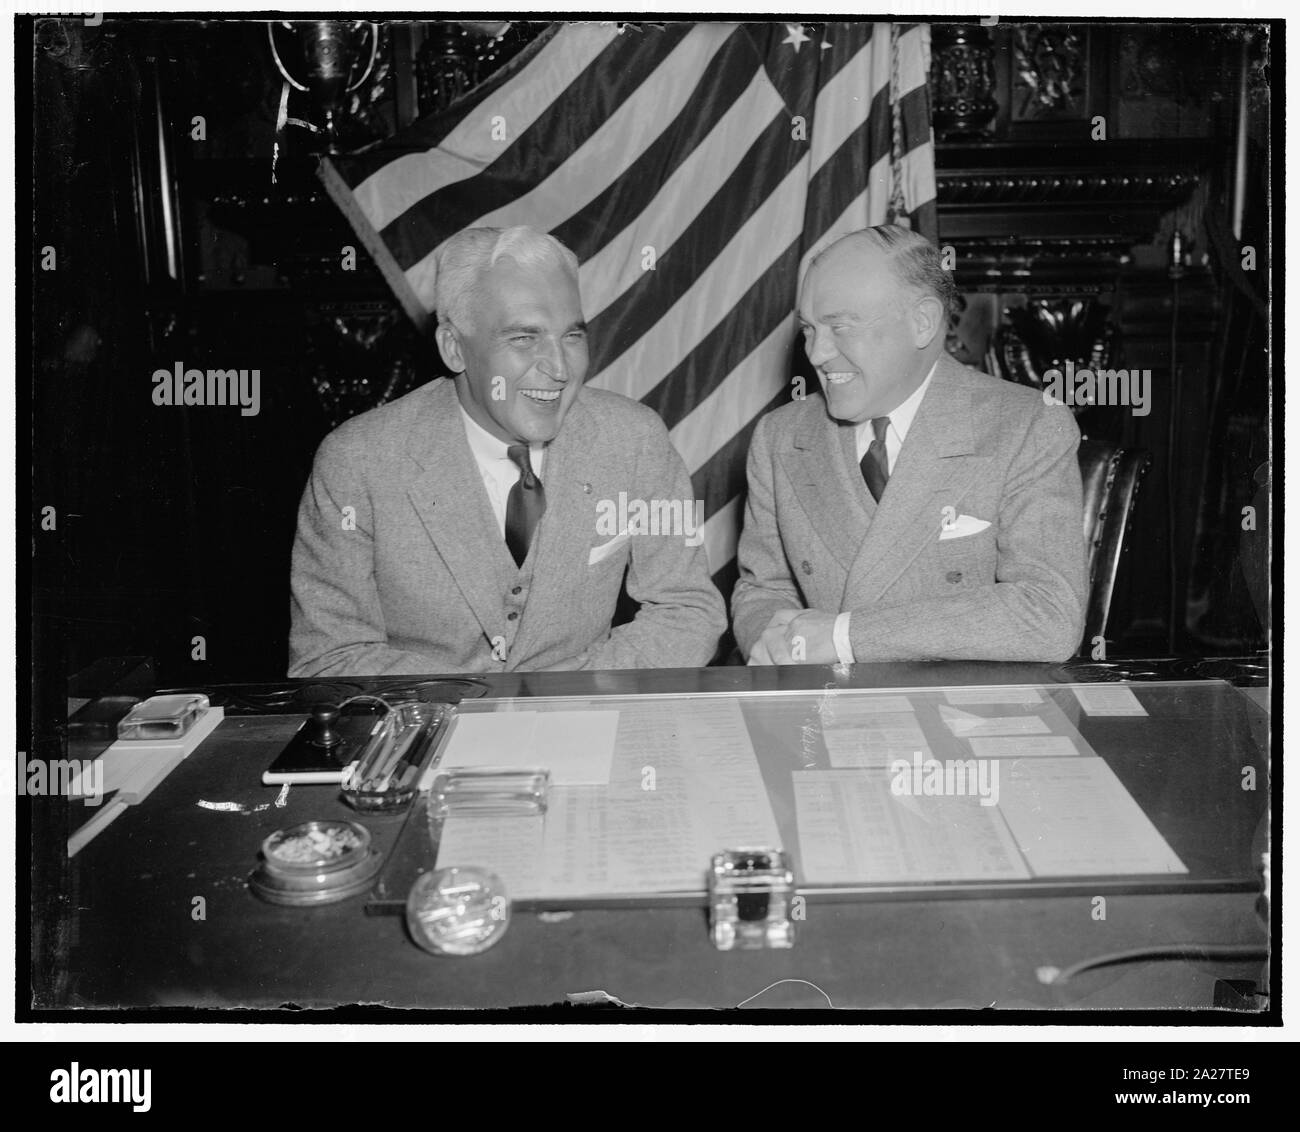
[[962, 80], [1050, 76]]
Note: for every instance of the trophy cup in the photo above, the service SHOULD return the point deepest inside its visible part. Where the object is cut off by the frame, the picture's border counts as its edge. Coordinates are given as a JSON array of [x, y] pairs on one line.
[[329, 52]]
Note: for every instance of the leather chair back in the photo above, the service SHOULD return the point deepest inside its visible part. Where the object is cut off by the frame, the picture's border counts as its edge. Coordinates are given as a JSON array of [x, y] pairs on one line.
[[1111, 477]]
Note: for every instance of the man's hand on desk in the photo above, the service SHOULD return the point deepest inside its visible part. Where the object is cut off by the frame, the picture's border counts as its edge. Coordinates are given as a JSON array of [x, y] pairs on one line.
[[771, 647], [796, 636], [810, 638]]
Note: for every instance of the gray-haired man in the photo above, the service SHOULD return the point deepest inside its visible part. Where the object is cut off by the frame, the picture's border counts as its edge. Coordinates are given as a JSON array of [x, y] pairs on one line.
[[915, 509], [460, 527]]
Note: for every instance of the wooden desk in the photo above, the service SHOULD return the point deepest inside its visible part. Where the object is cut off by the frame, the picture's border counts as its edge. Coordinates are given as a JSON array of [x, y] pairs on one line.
[[136, 941]]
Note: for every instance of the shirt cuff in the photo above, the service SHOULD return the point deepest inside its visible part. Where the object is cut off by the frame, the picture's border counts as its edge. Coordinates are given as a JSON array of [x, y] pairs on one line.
[[840, 635]]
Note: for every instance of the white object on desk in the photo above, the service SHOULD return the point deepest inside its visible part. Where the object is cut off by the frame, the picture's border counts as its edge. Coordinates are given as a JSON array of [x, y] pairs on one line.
[[1022, 746], [1108, 699], [1073, 817], [577, 747], [966, 725], [132, 768]]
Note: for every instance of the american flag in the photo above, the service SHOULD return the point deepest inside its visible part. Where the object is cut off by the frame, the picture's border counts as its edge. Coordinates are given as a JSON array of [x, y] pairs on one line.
[[693, 169]]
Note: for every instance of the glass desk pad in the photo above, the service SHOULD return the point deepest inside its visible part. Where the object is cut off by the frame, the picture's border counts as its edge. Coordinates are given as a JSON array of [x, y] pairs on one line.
[[896, 792]]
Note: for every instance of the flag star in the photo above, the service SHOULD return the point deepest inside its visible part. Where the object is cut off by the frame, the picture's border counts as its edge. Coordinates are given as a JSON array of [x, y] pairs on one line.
[[825, 46], [796, 36]]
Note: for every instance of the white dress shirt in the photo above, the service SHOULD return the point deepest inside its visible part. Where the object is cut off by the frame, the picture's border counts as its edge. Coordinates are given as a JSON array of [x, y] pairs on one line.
[[900, 420], [499, 472]]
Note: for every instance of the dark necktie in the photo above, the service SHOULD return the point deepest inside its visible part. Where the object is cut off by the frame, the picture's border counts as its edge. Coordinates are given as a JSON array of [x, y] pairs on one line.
[[525, 505], [875, 464]]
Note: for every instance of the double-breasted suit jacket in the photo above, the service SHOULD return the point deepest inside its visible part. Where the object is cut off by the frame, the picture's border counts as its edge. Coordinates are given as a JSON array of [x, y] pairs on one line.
[[975, 551]]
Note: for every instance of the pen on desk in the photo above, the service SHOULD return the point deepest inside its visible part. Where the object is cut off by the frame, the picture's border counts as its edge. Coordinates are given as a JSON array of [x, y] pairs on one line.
[[384, 776], [379, 763], [406, 767]]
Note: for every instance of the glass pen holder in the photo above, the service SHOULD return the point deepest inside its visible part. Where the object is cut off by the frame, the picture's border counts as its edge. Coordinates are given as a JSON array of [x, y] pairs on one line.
[[386, 776]]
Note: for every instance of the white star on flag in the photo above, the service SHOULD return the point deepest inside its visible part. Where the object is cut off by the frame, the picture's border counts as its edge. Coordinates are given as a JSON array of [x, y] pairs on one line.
[[797, 37]]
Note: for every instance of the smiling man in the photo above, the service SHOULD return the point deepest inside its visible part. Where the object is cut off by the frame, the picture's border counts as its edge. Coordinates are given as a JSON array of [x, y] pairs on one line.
[[456, 529], [915, 509]]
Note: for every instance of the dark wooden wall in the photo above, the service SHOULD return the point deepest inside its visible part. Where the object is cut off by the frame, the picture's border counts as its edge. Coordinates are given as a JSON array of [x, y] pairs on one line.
[[1068, 157]]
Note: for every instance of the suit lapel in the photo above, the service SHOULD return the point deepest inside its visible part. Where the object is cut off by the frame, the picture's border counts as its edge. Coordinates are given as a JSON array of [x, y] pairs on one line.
[[934, 471], [819, 465], [453, 505]]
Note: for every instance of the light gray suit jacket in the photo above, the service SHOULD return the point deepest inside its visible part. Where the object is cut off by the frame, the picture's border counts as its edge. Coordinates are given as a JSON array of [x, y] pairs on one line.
[[991, 451], [418, 579]]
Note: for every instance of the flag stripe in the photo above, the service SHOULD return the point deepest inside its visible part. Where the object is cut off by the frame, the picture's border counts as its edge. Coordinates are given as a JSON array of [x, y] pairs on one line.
[[722, 104], [530, 157], [862, 160], [722, 478], [620, 263], [700, 298], [444, 148], [737, 399], [617, 141], [721, 534], [849, 98], [769, 299]]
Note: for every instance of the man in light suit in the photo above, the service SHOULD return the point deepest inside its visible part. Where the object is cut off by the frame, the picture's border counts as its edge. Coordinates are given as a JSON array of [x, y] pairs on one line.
[[459, 528], [916, 509]]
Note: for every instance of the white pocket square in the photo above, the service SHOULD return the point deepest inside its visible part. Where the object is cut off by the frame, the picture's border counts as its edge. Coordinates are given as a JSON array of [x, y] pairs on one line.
[[962, 527], [605, 549]]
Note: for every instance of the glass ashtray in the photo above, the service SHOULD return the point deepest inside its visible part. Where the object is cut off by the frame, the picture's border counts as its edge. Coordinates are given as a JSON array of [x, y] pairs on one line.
[[315, 863]]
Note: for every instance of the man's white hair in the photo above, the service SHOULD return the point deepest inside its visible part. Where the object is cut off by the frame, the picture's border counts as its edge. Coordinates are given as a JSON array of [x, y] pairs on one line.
[[470, 252]]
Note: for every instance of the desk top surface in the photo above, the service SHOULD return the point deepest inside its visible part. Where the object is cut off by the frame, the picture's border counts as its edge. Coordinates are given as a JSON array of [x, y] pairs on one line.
[[138, 940]]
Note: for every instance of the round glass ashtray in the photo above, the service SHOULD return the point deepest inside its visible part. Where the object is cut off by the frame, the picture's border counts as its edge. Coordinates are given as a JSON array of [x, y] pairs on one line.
[[457, 911], [315, 863]]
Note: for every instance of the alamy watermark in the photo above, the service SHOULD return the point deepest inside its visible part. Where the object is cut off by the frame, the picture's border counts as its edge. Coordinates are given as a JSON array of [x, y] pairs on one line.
[[181, 386], [952, 778], [78, 778], [681, 518], [76, 1085], [1085, 387]]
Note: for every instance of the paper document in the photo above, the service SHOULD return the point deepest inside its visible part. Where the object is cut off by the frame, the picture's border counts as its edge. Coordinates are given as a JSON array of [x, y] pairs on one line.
[[1022, 746], [845, 708], [509, 846], [854, 828], [876, 741], [964, 724], [1073, 817], [1108, 699], [577, 747], [684, 784]]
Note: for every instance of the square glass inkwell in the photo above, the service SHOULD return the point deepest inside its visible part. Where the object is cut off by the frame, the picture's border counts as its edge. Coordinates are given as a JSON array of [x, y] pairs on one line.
[[750, 892]]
